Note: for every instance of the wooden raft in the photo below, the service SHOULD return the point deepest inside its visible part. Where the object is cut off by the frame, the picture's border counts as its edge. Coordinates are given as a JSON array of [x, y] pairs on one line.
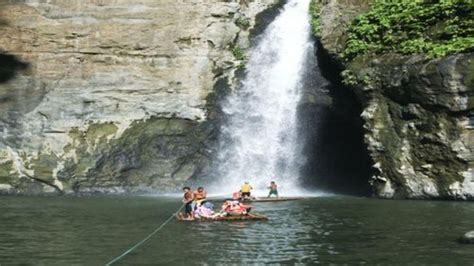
[[248, 217], [273, 199]]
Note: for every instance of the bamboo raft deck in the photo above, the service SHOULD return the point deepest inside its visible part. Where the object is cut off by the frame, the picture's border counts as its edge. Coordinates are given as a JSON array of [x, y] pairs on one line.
[[248, 217]]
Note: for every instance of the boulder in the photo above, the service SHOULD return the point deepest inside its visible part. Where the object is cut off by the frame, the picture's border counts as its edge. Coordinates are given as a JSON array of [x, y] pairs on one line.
[[467, 238]]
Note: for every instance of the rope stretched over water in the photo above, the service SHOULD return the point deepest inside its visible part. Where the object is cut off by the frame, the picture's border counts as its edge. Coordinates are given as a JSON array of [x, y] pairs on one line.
[[145, 239]]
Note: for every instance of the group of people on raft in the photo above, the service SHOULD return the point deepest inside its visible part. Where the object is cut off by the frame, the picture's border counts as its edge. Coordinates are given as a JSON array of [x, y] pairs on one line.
[[245, 191], [197, 206]]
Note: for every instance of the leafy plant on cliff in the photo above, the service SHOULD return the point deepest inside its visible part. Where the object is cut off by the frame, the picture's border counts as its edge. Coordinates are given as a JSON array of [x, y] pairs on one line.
[[239, 55], [243, 23], [434, 28], [348, 78], [314, 9]]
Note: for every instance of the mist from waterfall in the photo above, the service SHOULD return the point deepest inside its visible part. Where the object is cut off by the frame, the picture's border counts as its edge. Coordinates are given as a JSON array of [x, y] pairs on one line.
[[259, 140]]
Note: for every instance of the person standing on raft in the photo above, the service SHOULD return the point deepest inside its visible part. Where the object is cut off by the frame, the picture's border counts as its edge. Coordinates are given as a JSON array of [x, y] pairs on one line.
[[273, 189], [245, 190], [188, 199], [200, 196]]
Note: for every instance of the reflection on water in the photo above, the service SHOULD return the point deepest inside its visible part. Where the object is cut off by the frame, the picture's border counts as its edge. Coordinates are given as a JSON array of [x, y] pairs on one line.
[[91, 231]]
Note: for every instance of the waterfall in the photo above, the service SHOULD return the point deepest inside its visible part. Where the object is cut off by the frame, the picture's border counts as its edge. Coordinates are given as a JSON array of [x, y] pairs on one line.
[[259, 141]]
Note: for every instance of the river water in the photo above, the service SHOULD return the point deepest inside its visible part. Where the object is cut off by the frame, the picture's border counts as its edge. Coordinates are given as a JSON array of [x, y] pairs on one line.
[[349, 230]]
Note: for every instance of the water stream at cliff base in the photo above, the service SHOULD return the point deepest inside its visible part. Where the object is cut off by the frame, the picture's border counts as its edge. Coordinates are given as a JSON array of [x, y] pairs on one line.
[[258, 141]]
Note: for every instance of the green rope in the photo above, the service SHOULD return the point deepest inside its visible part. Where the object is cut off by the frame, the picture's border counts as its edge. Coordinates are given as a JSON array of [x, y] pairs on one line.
[[145, 239]]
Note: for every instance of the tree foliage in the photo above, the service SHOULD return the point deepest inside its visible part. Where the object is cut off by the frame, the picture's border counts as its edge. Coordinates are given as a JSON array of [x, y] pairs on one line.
[[314, 9], [434, 28]]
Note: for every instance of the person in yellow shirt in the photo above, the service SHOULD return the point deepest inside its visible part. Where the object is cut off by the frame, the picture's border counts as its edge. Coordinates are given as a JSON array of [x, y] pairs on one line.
[[245, 190]]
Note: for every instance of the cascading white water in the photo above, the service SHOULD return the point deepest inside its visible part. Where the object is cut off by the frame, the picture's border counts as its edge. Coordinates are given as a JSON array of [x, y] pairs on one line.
[[258, 140]]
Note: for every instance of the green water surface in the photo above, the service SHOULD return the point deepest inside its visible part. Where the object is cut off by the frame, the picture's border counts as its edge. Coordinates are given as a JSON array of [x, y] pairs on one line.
[[338, 230]]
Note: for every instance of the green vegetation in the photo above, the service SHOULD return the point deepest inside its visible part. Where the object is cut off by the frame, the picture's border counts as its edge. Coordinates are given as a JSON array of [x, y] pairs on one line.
[[240, 55], [243, 23], [314, 10], [433, 28], [349, 78]]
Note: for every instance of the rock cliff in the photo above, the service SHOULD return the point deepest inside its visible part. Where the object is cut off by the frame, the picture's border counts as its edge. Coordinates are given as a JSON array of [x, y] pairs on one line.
[[418, 112], [111, 96]]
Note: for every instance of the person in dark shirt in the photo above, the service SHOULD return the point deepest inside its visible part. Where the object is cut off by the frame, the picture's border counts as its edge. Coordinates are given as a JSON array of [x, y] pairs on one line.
[[188, 199], [273, 189]]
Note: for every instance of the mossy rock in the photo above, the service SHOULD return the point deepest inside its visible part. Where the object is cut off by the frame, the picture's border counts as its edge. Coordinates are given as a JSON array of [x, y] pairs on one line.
[[44, 165], [156, 148], [6, 176], [96, 131]]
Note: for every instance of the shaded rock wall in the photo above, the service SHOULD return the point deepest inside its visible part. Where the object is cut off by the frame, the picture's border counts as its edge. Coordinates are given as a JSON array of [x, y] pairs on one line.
[[114, 95], [418, 115], [330, 125]]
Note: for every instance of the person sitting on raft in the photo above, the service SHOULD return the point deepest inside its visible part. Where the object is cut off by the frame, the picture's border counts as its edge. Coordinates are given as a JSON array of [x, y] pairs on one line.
[[229, 208], [237, 195], [200, 196], [245, 190], [273, 189], [235, 208], [188, 199], [204, 210]]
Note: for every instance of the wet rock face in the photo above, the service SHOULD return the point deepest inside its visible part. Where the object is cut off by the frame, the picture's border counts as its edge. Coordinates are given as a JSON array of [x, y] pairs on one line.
[[417, 125], [418, 115], [113, 96]]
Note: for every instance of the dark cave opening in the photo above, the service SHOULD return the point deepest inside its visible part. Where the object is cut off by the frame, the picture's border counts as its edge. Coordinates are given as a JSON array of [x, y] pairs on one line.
[[337, 158], [9, 66]]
